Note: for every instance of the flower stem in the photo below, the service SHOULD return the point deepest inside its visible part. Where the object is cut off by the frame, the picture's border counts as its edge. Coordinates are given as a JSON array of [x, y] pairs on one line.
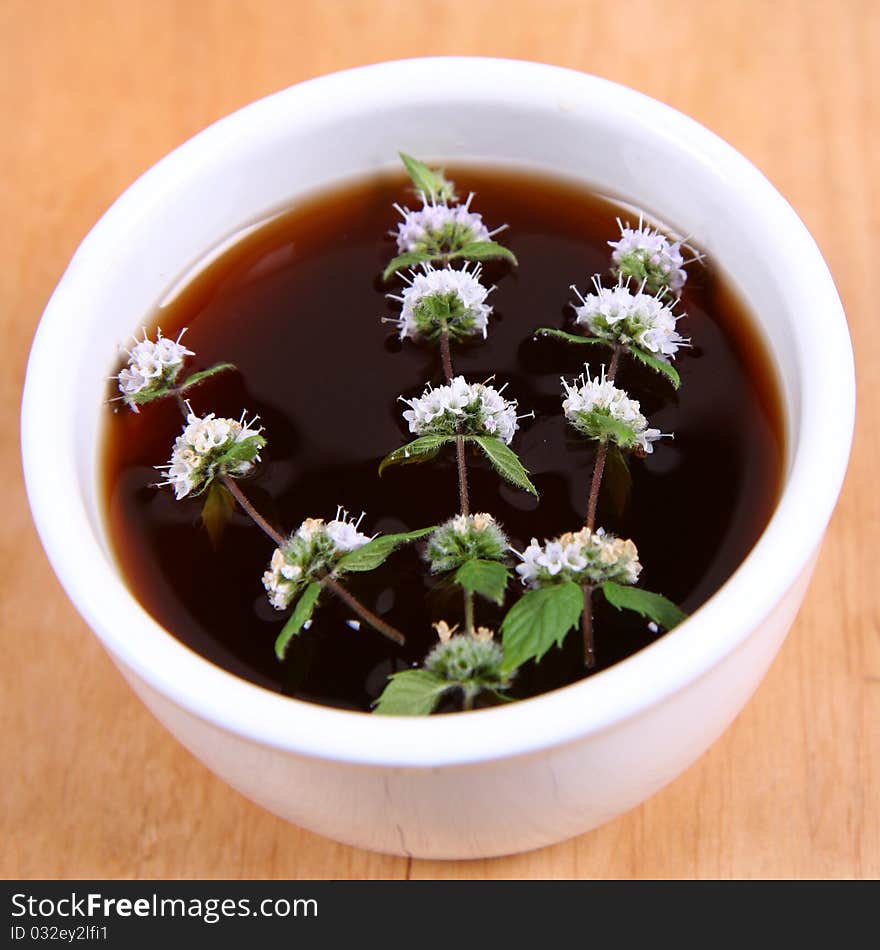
[[468, 612], [611, 372], [592, 504], [595, 484], [601, 452], [377, 623], [256, 517], [461, 462], [446, 355], [587, 628], [463, 494]]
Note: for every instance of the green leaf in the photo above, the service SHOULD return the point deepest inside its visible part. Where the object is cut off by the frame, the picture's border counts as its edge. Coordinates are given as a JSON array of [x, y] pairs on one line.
[[653, 606], [409, 259], [539, 619], [571, 337], [484, 251], [505, 462], [656, 364], [196, 378], [374, 553], [488, 578], [618, 480], [217, 510], [411, 693], [420, 450], [301, 613], [432, 184]]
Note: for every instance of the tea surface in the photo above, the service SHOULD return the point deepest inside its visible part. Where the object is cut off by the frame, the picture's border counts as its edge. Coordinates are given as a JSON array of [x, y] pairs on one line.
[[296, 305]]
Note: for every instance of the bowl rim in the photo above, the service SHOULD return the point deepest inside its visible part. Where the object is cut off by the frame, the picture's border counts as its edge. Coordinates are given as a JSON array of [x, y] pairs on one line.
[[603, 701]]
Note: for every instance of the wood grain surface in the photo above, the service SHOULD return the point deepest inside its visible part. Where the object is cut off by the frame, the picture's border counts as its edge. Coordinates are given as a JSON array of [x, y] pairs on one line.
[[93, 92]]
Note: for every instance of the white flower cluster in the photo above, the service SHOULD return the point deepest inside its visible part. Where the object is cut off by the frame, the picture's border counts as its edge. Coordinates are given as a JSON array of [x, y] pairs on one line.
[[435, 300], [310, 552], [646, 254], [151, 367], [465, 538], [437, 226], [472, 661], [618, 315], [589, 402], [584, 557], [209, 446], [462, 408]]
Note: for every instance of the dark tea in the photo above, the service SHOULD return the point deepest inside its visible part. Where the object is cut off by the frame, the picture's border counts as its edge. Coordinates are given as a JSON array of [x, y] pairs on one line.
[[297, 304]]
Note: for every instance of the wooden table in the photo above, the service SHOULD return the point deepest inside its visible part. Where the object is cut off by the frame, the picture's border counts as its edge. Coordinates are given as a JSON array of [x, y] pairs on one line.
[[95, 91]]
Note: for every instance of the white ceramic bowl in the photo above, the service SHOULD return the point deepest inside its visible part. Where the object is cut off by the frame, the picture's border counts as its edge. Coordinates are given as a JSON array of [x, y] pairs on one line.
[[493, 781]]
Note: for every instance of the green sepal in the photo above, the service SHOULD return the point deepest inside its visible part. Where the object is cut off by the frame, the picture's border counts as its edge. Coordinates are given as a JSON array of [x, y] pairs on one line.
[[653, 606], [203, 374], [632, 268], [539, 619], [422, 449], [484, 251], [411, 693], [656, 364], [217, 510], [505, 462], [302, 612], [487, 578], [600, 425], [433, 185], [409, 259], [374, 553], [244, 451]]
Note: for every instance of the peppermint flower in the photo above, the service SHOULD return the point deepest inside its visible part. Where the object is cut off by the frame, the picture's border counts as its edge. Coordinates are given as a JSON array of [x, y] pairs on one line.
[[309, 554], [465, 538], [436, 228], [447, 299], [462, 408], [599, 410], [582, 557], [649, 256], [209, 447], [152, 368], [471, 661], [618, 315]]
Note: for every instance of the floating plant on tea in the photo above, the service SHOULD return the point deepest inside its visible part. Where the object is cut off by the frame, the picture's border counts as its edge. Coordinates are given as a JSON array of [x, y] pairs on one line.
[[212, 454], [534, 595], [443, 229]]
